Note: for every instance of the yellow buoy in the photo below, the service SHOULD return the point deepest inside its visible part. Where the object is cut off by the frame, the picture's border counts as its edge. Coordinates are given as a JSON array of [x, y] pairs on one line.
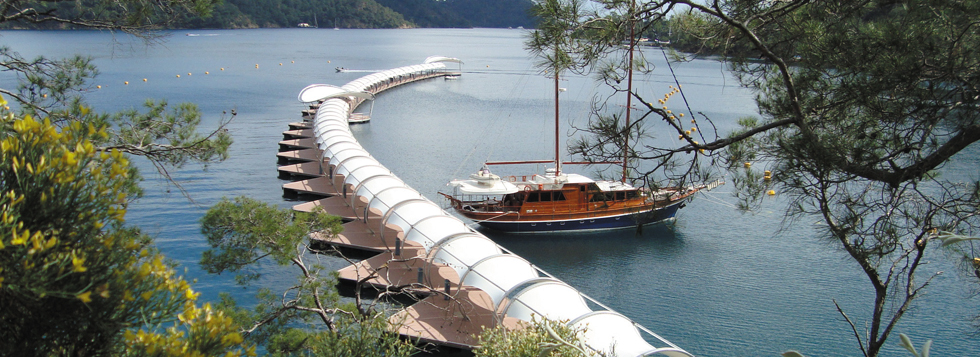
[[292, 61], [44, 95], [280, 63], [681, 114], [668, 112], [222, 68], [671, 117], [748, 164], [771, 192], [680, 136], [693, 130], [701, 150], [328, 61], [692, 121], [665, 107], [178, 76], [688, 132], [767, 178], [144, 79], [206, 72], [126, 83], [98, 86], [768, 173], [188, 73], [256, 65]]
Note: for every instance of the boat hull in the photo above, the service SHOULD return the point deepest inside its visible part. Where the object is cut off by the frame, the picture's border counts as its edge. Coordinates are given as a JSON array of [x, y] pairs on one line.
[[587, 224]]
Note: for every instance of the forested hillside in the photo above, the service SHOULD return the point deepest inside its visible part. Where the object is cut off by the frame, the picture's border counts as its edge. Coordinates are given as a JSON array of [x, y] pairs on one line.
[[233, 14], [463, 13]]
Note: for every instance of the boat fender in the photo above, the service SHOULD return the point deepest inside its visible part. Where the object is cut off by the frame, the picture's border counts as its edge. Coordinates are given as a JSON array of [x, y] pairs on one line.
[[523, 178], [540, 186]]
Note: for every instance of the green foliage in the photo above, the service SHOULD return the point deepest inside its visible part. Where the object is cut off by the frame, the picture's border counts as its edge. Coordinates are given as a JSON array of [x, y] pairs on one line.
[[851, 136], [463, 13], [308, 318], [537, 339], [74, 280]]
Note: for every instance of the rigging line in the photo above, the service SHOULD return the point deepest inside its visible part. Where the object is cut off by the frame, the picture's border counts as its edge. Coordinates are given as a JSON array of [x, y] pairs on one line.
[[677, 82], [711, 198], [518, 88]]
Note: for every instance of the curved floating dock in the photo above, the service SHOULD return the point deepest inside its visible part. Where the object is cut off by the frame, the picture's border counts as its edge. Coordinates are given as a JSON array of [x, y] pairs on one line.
[[468, 280]]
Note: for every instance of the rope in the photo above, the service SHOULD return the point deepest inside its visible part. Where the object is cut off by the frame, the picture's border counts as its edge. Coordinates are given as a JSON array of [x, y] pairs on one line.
[[677, 82]]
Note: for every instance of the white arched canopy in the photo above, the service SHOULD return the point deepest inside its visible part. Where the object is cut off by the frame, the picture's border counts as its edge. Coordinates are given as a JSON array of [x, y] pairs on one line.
[[497, 274], [433, 59], [543, 297], [432, 230], [406, 214], [460, 251], [367, 188], [609, 332], [318, 92], [384, 200]]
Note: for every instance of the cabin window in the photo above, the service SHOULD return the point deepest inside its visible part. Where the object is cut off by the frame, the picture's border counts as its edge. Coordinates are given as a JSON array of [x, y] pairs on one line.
[[620, 195], [601, 196], [533, 197], [559, 196], [546, 196], [632, 194]]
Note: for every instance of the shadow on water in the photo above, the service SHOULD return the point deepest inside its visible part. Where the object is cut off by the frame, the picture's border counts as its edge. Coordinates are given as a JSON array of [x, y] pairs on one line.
[[566, 250]]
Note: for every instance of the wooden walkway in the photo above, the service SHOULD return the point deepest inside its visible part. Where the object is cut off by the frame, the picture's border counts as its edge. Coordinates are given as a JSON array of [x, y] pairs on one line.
[[451, 319]]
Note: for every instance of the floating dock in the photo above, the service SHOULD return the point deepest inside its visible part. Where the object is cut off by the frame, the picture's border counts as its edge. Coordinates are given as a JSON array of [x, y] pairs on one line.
[[465, 280]]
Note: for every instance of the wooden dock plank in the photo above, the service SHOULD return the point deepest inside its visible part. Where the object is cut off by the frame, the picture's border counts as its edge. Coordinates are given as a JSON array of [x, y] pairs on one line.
[[452, 322], [303, 169], [335, 205], [297, 144], [299, 155], [314, 186], [297, 133]]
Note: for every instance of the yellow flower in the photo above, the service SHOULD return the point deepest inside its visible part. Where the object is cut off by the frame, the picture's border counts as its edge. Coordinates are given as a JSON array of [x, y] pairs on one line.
[[77, 262], [85, 297]]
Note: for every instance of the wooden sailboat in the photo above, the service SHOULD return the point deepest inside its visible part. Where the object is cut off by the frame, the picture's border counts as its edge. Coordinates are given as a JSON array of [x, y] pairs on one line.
[[559, 201]]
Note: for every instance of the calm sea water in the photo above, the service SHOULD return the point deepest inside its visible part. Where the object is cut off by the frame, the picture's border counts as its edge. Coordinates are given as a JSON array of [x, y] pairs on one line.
[[717, 282]]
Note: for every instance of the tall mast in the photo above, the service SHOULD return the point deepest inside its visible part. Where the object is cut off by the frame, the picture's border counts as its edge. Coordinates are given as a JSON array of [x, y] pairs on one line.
[[629, 97], [557, 152]]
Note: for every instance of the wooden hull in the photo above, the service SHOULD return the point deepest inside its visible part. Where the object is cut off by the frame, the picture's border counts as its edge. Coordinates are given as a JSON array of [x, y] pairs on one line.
[[512, 221], [597, 223]]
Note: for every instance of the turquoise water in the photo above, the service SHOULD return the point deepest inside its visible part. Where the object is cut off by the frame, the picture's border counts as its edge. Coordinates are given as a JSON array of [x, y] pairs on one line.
[[716, 283]]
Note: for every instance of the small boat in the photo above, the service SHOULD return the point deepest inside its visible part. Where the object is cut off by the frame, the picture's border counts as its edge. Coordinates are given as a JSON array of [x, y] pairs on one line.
[[357, 118], [341, 69], [559, 201]]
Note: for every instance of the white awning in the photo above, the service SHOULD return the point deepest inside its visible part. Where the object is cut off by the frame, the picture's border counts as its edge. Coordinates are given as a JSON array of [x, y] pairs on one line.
[[318, 92], [432, 59], [494, 186]]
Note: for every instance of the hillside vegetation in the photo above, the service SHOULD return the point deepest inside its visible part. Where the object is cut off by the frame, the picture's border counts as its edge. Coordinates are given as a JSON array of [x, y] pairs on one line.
[[235, 14]]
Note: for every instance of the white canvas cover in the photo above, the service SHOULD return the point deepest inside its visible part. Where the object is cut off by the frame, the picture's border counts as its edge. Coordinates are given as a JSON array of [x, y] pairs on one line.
[[547, 298], [338, 147], [316, 92], [339, 155], [406, 214], [384, 200], [345, 167], [354, 177], [432, 230], [608, 331], [497, 274], [461, 251], [367, 188]]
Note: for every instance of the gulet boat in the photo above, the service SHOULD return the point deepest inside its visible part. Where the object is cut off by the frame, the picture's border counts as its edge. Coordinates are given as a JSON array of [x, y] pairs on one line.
[[559, 201]]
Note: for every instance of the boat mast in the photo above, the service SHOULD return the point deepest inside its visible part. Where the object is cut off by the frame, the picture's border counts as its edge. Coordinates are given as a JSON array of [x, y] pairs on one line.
[[629, 94], [557, 153]]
